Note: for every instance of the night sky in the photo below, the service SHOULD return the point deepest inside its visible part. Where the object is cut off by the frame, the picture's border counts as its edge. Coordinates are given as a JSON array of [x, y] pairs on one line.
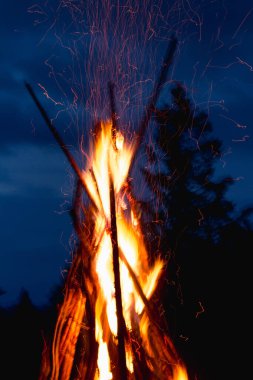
[[60, 50]]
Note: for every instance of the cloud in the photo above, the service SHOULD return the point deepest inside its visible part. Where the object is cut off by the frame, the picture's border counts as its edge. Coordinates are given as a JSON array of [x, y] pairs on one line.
[[28, 168]]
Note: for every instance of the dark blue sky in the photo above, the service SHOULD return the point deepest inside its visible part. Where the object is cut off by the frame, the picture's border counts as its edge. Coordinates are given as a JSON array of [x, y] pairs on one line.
[[71, 49]]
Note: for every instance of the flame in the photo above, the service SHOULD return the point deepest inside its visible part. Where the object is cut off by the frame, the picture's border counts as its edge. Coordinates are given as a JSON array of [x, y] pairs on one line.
[[104, 362], [180, 373], [114, 158], [147, 348]]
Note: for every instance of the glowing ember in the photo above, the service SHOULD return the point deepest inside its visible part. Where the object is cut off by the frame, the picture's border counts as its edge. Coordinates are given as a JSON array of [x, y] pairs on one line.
[[148, 352]]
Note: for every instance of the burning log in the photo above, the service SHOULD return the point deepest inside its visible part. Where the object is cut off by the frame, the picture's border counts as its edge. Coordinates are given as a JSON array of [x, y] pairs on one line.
[[121, 331]]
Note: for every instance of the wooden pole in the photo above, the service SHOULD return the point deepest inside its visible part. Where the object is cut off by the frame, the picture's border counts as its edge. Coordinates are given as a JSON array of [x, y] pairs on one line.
[[115, 251], [58, 138], [113, 113], [120, 318], [167, 62]]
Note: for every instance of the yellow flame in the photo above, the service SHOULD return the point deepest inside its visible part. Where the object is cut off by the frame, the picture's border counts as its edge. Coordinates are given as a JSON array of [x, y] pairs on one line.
[[114, 159], [180, 373], [104, 362], [129, 360]]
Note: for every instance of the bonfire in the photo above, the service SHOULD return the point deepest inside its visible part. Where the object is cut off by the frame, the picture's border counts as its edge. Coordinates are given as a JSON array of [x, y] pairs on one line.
[[107, 326]]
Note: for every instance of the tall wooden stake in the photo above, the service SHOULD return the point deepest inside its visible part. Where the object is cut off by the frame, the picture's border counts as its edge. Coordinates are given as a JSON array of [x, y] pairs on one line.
[[113, 113], [167, 62], [115, 252], [58, 138], [120, 318]]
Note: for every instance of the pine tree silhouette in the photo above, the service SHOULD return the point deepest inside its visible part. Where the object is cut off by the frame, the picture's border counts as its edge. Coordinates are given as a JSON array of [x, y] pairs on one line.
[[190, 201], [188, 220]]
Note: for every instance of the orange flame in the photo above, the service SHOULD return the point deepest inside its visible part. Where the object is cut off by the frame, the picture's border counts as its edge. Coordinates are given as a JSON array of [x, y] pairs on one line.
[[147, 348], [115, 158]]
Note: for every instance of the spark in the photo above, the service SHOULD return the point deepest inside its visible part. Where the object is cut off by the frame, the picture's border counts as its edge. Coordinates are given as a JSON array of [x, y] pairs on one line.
[[219, 40], [201, 311], [206, 67], [49, 97], [236, 179], [227, 66], [233, 121], [36, 9], [62, 44], [234, 45], [75, 98], [243, 139], [183, 337], [244, 63], [200, 220], [241, 23], [195, 19], [229, 151]]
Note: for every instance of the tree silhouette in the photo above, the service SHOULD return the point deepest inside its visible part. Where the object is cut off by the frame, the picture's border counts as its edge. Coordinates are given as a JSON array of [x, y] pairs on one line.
[[181, 175], [21, 339], [188, 219]]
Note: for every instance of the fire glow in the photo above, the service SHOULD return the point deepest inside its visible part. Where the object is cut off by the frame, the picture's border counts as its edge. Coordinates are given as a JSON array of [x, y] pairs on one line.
[[87, 328]]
